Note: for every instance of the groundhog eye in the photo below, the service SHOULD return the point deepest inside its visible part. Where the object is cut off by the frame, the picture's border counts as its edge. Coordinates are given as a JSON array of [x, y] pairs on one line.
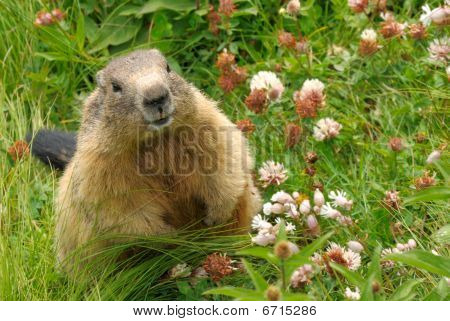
[[168, 68], [116, 88]]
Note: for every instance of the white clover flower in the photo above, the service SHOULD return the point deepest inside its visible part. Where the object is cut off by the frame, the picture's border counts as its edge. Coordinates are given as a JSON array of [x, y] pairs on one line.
[[302, 276], [319, 199], [439, 15], [344, 220], [267, 208], [412, 244], [293, 7], [439, 50], [340, 199], [310, 87], [369, 35], [268, 81], [277, 208], [291, 210], [353, 260], [326, 128], [259, 223], [282, 197], [358, 5], [264, 238], [290, 228], [353, 295], [328, 211], [355, 246], [433, 157], [272, 173], [305, 207]]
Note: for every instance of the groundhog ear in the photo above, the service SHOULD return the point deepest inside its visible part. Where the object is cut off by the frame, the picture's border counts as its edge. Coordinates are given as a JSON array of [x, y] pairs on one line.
[[100, 78]]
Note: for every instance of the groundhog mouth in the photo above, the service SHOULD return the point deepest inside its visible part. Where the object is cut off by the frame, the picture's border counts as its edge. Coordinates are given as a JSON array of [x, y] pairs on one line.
[[159, 123]]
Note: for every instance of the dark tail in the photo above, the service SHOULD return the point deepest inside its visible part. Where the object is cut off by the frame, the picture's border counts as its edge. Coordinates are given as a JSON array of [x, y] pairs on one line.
[[55, 148]]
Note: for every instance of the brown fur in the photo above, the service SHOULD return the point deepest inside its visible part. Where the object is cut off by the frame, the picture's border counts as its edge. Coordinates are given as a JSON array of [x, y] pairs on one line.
[[126, 179]]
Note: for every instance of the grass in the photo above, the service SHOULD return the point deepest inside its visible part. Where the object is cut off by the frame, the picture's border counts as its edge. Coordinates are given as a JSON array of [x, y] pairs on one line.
[[46, 72]]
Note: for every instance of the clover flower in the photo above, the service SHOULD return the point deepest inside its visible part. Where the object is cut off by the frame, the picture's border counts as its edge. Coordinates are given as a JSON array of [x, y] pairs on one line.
[[286, 39], [305, 207], [309, 98], [417, 31], [392, 28], [227, 7], [319, 199], [217, 266], [44, 18], [272, 173], [425, 181], [352, 295], [282, 197], [259, 223], [291, 211], [329, 212], [313, 225], [439, 50], [213, 19], [269, 82], [358, 6], [293, 134], [396, 144], [340, 255], [355, 246], [340, 199], [439, 16], [293, 7], [368, 44], [433, 157], [246, 126], [326, 128], [392, 199], [302, 276]]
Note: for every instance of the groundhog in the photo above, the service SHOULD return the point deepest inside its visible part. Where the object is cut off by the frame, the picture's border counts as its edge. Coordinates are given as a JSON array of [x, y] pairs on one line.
[[153, 155]]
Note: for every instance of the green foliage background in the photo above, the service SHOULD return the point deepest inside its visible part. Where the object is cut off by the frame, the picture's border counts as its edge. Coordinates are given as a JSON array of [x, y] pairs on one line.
[[46, 72]]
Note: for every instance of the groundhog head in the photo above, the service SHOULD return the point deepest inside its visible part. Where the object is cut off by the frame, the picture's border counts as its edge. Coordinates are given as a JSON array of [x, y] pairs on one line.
[[140, 92]]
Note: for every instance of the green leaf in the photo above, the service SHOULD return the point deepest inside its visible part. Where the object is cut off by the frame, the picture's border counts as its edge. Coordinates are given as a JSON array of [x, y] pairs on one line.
[[351, 276], [281, 236], [262, 252], [437, 193], [258, 280], [439, 293], [155, 5], [373, 275], [405, 292], [443, 235], [238, 293], [79, 36], [424, 260], [115, 31], [53, 56]]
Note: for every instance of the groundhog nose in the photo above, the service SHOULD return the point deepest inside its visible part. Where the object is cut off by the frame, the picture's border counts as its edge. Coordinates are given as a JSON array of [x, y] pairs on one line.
[[156, 99]]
